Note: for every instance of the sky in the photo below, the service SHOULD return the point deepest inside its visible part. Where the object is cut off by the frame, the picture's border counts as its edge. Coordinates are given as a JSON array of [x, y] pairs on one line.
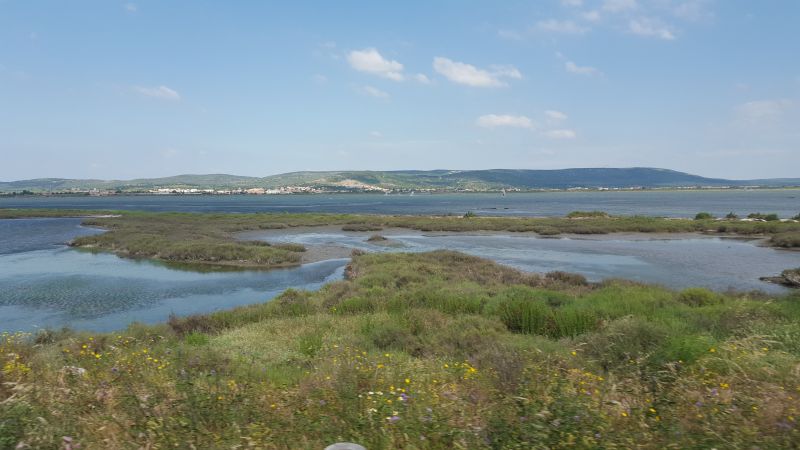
[[119, 90]]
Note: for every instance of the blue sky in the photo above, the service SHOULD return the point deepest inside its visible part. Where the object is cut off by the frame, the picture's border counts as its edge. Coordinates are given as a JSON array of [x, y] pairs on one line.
[[105, 89]]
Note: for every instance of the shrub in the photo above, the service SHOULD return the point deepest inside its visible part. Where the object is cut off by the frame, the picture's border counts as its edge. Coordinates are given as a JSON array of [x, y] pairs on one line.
[[586, 214], [698, 297], [703, 216], [731, 216], [572, 279], [469, 214], [786, 240], [546, 231], [356, 305], [771, 217], [196, 339], [290, 247]]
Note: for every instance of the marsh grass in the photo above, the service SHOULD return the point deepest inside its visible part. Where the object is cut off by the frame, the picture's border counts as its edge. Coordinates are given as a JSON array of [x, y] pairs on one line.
[[437, 350], [208, 239]]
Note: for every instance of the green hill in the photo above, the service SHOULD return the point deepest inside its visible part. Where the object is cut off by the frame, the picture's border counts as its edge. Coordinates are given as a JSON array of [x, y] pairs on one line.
[[493, 179]]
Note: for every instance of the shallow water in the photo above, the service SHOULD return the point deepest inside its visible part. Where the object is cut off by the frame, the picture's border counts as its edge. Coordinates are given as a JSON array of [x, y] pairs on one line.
[[785, 202], [716, 263], [43, 283]]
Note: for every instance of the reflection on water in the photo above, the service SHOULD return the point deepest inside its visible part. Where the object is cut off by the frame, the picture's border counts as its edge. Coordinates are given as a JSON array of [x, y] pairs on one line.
[[46, 285], [43, 283], [716, 263]]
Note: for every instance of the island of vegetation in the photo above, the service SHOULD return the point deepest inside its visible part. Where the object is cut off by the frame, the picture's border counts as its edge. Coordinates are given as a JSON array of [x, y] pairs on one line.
[[210, 240], [430, 351]]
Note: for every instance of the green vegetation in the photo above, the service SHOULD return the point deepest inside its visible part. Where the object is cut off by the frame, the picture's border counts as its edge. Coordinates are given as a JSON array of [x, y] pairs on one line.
[[437, 350], [209, 239], [768, 217], [586, 214], [703, 216], [405, 180]]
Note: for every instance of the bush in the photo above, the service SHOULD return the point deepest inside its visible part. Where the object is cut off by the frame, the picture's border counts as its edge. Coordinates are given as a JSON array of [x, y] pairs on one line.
[[731, 216], [586, 214], [703, 216], [768, 217], [356, 305], [698, 297], [469, 214]]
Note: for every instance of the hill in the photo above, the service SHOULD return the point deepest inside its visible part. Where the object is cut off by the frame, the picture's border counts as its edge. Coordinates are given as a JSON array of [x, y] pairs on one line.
[[446, 180]]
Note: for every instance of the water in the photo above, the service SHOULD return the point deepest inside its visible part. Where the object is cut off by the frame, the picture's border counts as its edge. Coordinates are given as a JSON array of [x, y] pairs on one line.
[[676, 262], [43, 283], [785, 202]]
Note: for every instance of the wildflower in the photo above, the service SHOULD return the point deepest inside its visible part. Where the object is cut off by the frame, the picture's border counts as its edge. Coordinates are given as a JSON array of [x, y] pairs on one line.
[[393, 419], [574, 353], [408, 381], [712, 350]]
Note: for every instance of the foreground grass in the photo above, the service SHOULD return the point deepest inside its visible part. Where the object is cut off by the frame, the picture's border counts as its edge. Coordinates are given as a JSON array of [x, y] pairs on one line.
[[208, 239], [436, 350]]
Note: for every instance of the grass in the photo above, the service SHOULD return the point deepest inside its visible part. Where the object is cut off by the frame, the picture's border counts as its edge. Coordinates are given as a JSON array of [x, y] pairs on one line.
[[208, 238], [435, 350]]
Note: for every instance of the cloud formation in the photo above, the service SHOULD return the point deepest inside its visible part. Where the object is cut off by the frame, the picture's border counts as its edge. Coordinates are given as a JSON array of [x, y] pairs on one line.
[[561, 134], [560, 26], [371, 61], [647, 27], [159, 92], [373, 92], [504, 120], [760, 111], [469, 75], [571, 67]]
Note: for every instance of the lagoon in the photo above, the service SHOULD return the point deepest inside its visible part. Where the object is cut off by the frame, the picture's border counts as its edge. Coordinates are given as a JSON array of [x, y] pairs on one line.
[[784, 202]]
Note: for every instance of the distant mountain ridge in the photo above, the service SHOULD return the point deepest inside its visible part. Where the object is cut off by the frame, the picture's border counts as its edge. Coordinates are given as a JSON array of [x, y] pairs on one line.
[[446, 180]]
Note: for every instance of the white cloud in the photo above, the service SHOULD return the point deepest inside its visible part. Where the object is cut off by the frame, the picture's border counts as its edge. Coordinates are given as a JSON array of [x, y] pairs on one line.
[[560, 26], [374, 92], [506, 71], [555, 115], [470, 75], [371, 61], [580, 70], [591, 16], [572, 3], [320, 79], [504, 120], [763, 110], [160, 92], [650, 28], [376, 134], [616, 6], [130, 8], [561, 134], [422, 78], [692, 10]]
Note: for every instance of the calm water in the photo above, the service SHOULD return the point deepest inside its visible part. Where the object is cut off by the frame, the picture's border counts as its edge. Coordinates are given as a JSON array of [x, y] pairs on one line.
[[786, 203], [43, 283], [715, 263]]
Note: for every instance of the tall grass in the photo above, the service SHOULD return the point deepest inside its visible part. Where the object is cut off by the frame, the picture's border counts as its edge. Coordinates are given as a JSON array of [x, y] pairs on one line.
[[437, 350]]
